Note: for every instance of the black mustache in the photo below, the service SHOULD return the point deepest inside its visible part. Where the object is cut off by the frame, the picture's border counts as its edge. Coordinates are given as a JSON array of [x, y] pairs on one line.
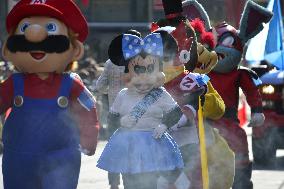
[[52, 44]]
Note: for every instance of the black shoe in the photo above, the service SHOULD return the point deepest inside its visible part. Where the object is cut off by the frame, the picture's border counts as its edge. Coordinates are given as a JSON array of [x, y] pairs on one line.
[[242, 179]]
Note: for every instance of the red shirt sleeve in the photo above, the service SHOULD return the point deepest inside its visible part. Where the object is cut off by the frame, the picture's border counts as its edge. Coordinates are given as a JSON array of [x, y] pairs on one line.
[[251, 91], [6, 95], [77, 88], [86, 118]]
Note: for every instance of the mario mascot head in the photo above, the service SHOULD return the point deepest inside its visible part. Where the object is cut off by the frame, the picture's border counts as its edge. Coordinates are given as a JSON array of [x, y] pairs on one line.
[[45, 36]]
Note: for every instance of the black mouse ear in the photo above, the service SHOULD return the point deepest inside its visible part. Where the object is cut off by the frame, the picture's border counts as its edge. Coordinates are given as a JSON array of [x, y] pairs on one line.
[[133, 32], [115, 51], [169, 44]]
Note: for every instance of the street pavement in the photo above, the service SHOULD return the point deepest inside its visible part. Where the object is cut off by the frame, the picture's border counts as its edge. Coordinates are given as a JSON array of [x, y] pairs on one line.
[[93, 178]]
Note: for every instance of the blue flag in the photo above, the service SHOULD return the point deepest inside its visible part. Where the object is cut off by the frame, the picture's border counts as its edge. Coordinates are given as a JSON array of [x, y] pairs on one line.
[[268, 44]]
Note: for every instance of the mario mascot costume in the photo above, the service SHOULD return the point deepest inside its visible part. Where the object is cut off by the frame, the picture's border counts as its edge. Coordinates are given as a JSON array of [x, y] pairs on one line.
[[53, 114], [227, 77]]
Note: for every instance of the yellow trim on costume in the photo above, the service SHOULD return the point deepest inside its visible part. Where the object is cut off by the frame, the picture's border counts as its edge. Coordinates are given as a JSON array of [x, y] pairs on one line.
[[203, 152], [214, 106], [172, 72]]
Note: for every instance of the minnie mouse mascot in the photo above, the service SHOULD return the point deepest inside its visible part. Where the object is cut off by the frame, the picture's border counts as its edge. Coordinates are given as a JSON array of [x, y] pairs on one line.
[[141, 148]]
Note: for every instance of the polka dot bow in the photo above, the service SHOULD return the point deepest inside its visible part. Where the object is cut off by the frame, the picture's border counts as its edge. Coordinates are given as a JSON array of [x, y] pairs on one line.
[[133, 45]]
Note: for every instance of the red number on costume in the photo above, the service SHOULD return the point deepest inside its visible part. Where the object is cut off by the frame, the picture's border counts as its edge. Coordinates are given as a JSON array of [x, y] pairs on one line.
[[38, 1], [188, 83]]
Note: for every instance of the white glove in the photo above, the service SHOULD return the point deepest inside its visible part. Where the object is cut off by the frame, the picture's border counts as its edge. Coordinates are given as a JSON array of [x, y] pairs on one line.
[[159, 131], [84, 151], [257, 119], [189, 111], [182, 122]]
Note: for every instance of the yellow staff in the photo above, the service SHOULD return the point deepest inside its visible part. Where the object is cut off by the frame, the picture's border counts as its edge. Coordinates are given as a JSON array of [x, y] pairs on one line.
[[203, 152]]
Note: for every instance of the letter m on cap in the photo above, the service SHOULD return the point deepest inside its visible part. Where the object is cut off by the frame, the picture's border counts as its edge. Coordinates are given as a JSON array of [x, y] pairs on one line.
[[38, 1]]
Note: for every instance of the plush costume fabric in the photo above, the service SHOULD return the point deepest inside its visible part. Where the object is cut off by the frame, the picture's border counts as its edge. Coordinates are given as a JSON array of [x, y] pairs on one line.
[[49, 8], [188, 137], [227, 78], [238, 78], [40, 135], [235, 79], [185, 135], [53, 116], [221, 162], [214, 106], [234, 134], [133, 152], [228, 125], [132, 148]]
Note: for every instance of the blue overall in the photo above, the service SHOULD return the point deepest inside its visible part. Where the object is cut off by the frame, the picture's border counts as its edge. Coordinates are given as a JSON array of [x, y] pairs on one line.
[[41, 142]]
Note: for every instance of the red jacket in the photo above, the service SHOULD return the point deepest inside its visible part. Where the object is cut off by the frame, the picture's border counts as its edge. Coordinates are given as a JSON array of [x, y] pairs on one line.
[[173, 87], [228, 84]]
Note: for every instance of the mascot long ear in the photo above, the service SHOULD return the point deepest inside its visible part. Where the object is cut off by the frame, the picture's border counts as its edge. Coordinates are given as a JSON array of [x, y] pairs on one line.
[[252, 20], [169, 44], [115, 51], [192, 10]]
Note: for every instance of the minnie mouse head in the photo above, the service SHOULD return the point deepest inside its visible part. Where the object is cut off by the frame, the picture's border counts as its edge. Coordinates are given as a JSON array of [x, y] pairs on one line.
[[143, 58]]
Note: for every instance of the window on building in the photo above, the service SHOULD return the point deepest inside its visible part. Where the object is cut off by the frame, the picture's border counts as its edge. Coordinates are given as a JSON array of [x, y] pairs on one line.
[[115, 10]]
